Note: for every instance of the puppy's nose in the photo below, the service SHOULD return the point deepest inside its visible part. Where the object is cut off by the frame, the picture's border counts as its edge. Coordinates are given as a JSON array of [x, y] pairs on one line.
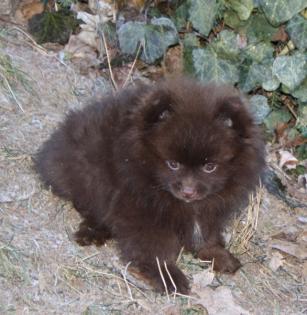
[[188, 191]]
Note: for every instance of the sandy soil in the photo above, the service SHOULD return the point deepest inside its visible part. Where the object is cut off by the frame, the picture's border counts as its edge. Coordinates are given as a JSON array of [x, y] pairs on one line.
[[43, 271]]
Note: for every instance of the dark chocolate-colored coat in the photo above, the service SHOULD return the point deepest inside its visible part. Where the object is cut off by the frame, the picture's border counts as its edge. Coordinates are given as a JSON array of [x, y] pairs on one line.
[[157, 168]]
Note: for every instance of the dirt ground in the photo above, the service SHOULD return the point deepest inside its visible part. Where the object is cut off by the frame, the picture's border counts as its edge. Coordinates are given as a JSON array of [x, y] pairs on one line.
[[43, 271]]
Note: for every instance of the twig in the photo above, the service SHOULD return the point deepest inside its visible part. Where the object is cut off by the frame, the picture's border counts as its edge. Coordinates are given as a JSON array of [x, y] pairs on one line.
[[163, 280], [124, 274], [70, 286], [172, 280], [133, 65], [108, 59], [100, 32], [33, 42], [180, 254], [86, 267], [90, 256], [291, 110], [187, 296]]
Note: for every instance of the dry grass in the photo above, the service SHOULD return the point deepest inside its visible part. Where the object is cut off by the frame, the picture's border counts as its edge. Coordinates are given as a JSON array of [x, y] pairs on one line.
[[246, 225], [12, 264], [43, 271], [12, 77]]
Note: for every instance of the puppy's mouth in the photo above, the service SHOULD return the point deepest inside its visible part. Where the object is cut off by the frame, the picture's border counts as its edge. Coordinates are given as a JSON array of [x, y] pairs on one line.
[[190, 200], [187, 199]]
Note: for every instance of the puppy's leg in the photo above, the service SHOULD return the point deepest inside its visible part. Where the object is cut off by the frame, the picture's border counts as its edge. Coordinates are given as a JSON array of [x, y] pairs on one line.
[[89, 234], [224, 261], [146, 249], [214, 248], [174, 278], [92, 230]]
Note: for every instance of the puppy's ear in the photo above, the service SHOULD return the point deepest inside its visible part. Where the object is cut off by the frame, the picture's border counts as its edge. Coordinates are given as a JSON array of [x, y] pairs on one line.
[[158, 109], [233, 114]]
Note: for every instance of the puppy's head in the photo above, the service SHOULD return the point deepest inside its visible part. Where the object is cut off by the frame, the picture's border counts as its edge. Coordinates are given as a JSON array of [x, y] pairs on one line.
[[195, 136]]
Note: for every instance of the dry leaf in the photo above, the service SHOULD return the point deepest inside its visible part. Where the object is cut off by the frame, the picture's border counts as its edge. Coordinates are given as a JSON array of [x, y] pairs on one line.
[[90, 38], [78, 49], [294, 191], [105, 8], [297, 250], [220, 302], [89, 19], [27, 10], [281, 35], [287, 160], [304, 270], [276, 261], [302, 237], [290, 234], [280, 131], [173, 62]]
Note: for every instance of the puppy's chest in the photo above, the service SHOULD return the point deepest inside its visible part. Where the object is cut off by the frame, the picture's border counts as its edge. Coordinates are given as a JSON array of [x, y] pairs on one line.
[[197, 238], [192, 236]]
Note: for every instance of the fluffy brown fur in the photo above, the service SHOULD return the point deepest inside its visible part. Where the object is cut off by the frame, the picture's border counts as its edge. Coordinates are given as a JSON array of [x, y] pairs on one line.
[[157, 168]]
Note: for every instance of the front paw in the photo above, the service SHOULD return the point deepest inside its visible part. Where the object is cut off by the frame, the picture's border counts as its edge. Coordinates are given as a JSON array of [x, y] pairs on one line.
[[87, 235], [224, 261], [173, 278], [180, 282]]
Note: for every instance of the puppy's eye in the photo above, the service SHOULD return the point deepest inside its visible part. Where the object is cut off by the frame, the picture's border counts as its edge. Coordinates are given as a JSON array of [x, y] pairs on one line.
[[209, 167], [173, 165], [164, 115]]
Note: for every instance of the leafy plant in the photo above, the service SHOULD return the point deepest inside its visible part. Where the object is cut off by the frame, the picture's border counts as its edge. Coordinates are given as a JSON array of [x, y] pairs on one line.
[[55, 27], [153, 38], [252, 44]]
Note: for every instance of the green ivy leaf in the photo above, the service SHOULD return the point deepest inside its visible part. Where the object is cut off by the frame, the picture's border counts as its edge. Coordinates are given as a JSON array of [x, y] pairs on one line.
[[301, 151], [181, 15], [276, 117], [279, 11], [271, 83], [209, 67], [303, 114], [257, 74], [290, 70], [251, 76], [54, 27], [154, 38], [226, 45], [257, 28], [190, 42], [259, 108], [297, 29], [203, 14], [301, 123], [301, 92], [232, 19], [243, 8], [259, 51]]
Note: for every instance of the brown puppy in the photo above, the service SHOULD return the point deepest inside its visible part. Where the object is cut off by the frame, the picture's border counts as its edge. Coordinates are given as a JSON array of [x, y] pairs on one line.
[[157, 168]]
